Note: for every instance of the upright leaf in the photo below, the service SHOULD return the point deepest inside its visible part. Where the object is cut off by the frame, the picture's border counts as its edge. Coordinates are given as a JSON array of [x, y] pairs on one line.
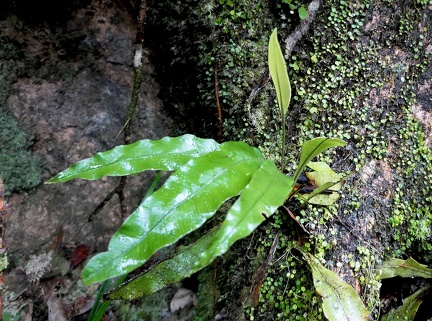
[[314, 147], [267, 190], [340, 301], [279, 74], [187, 199], [164, 154]]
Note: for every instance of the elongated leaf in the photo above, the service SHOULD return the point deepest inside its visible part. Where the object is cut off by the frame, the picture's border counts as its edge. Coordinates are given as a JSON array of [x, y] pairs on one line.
[[408, 310], [314, 147], [405, 268], [279, 74], [181, 265], [164, 154], [188, 198], [340, 301], [267, 190]]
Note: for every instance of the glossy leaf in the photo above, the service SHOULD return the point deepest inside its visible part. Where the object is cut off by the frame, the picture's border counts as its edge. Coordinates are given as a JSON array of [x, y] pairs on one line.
[[409, 268], [181, 265], [408, 310], [313, 148], [164, 154], [278, 73], [188, 198], [267, 190], [340, 301]]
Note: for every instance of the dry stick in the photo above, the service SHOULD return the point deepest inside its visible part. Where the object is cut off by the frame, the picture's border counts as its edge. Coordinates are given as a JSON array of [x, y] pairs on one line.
[[219, 140], [218, 103], [259, 276], [302, 28], [119, 190], [2, 242]]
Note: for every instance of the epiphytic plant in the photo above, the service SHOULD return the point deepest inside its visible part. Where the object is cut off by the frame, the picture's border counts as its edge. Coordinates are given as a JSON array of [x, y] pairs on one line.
[[205, 175]]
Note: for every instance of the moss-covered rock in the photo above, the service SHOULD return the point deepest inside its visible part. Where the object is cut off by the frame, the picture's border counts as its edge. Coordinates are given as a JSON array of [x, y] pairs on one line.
[[360, 74], [19, 169]]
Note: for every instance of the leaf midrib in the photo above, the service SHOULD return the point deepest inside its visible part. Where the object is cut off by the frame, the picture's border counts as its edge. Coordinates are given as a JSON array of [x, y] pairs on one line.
[[169, 212]]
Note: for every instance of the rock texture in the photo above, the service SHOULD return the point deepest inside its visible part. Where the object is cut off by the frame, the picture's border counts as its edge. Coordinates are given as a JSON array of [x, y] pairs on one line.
[[70, 83]]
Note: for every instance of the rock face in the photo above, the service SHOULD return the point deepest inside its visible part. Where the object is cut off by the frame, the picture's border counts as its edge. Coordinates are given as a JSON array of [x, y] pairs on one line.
[[69, 84], [74, 102]]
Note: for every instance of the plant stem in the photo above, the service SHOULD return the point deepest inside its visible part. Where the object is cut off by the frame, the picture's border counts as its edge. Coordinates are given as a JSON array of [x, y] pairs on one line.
[[283, 141]]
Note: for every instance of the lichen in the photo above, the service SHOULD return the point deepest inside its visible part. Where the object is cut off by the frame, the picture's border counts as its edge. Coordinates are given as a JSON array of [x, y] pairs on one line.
[[19, 169]]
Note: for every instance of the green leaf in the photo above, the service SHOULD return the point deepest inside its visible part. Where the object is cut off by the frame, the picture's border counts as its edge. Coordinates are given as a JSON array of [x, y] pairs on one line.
[[279, 74], [409, 268], [164, 154], [321, 167], [188, 198], [340, 301], [314, 147], [322, 199], [325, 182], [180, 266], [267, 190], [303, 13], [408, 310], [314, 59], [313, 110], [319, 179]]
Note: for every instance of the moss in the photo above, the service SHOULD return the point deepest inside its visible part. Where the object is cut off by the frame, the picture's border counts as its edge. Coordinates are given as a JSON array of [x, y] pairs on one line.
[[19, 169], [207, 293], [218, 38], [287, 292], [3, 263], [349, 82], [149, 308]]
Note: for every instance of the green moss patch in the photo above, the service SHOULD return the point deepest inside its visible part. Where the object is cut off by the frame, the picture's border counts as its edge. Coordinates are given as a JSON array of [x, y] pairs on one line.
[[19, 169]]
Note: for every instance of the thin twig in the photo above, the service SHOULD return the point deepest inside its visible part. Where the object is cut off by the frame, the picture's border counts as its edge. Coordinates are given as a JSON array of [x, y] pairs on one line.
[[261, 273], [2, 242], [139, 40], [302, 28], [218, 103], [215, 267]]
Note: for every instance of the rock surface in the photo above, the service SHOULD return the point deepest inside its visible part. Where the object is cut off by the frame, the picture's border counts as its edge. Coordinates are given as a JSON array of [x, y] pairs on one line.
[[71, 95]]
